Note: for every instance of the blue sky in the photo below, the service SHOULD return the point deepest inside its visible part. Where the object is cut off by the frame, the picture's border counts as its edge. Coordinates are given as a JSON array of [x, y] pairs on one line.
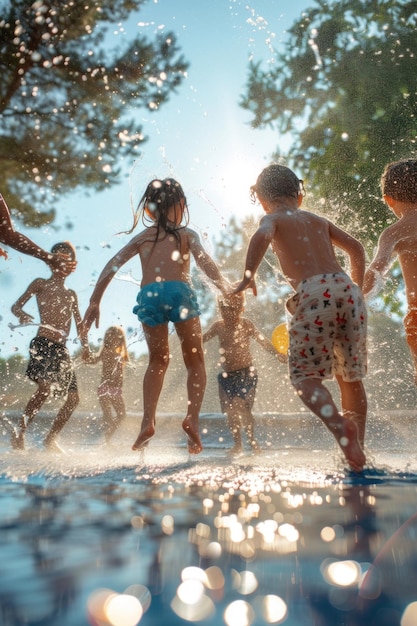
[[201, 137]]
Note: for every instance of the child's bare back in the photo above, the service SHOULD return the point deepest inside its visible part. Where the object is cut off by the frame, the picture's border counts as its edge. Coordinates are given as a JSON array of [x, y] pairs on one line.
[[303, 242]]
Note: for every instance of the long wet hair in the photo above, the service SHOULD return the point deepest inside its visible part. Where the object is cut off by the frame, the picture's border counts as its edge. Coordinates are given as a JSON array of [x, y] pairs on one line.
[[154, 206], [114, 344]]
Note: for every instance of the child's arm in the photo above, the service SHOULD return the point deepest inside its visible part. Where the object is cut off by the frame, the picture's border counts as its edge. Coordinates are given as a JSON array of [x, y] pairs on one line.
[[17, 307], [353, 248], [110, 269], [381, 261], [257, 248], [88, 357], [81, 332], [211, 332], [14, 239], [264, 342], [205, 262]]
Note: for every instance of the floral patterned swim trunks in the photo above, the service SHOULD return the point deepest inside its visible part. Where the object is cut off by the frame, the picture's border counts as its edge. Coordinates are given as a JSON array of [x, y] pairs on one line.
[[327, 328]]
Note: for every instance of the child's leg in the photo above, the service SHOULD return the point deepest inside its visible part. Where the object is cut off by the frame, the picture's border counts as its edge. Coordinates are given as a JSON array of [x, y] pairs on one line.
[[62, 418], [106, 405], [233, 423], [410, 326], [114, 423], [189, 333], [248, 423], [319, 400], [32, 408], [158, 347], [354, 404]]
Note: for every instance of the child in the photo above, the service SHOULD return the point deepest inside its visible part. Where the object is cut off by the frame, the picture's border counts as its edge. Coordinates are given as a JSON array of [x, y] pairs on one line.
[[50, 365], [164, 250], [399, 190], [328, 325], [11, 237], [113, 356], [238, 381]]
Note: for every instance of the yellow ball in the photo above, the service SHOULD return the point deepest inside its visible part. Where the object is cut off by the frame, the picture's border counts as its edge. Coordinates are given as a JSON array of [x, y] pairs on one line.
[[280, 339]]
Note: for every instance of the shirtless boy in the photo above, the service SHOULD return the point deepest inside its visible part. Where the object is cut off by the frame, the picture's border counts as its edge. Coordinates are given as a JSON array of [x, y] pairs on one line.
[[50, 365], [238, 381], [328, 324], [399, 190]]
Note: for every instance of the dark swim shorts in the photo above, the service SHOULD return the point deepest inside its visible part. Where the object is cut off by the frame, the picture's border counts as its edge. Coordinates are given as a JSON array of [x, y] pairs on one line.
[[51, 362], [238, 384], [170, 301]]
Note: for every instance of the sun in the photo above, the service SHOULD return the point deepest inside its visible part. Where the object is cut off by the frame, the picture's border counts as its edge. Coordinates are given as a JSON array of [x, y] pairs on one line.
[[237, 175]]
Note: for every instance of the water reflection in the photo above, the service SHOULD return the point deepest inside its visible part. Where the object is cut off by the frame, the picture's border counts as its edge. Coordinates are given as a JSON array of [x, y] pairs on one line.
[[118, 549]]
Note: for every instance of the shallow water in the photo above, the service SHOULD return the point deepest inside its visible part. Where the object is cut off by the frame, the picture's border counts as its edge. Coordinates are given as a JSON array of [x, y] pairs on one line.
[[104, 536]]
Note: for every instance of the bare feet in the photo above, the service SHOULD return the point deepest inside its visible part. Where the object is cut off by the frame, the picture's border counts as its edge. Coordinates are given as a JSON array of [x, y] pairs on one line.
[[52, 446], [236, 449], [256, 448], [351, 447], [144, 438], [193, 437], [17, 440]]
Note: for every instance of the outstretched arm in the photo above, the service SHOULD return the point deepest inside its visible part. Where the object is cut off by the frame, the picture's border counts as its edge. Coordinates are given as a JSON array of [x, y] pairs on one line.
[[206, 263], [110, 269], [265, 343], [14, 239], [258, 246], [211, 332], [381, 261]]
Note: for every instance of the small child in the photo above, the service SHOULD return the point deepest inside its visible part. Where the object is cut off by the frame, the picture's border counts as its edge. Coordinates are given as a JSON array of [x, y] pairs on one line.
[[50, 365], [399, 190], [113, 356], [238, 381], [164, 248], [328, 324]]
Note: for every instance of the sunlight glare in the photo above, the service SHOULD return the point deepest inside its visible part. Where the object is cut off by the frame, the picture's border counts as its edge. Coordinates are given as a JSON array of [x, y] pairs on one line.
[[239, 613], [274, 609]]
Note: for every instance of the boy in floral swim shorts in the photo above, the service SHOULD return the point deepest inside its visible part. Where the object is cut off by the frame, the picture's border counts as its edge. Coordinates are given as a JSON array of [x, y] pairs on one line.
[[328, 317]]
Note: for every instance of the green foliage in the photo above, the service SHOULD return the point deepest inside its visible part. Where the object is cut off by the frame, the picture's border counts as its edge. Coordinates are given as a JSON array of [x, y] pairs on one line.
[[345, 88], [67, 99]]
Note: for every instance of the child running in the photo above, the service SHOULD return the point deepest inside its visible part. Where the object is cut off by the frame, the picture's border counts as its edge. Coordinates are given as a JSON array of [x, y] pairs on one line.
[[399, 190], [239, 379], [113, 356], [164, 248], [50, 365], [328, 324]]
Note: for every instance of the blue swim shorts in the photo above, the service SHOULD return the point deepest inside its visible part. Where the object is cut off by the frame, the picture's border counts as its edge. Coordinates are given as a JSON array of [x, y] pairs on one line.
[[170, 301]]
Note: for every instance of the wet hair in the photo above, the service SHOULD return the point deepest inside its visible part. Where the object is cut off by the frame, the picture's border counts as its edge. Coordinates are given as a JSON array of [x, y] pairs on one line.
[[154, 206], [115, 339], [276, 181], [65, 247], [399, 180]]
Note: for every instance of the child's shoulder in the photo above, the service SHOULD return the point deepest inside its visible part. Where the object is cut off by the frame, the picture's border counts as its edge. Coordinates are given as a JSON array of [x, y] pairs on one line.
[[38, 283]]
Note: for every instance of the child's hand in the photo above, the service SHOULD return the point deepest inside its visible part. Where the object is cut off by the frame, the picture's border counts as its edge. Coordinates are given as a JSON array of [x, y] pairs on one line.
[[91, 315], [248, 282], [25, 318], [86, 354], [282, 358]]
